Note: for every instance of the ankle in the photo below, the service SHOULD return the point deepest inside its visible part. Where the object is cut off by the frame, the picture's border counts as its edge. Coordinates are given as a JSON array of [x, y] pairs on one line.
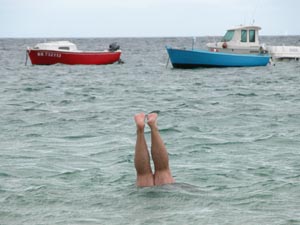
[[153, 128], [139, 130]]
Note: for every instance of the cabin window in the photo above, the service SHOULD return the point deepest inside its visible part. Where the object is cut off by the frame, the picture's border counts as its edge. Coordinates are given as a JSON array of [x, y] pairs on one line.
[[64, 48], [252, 35], [228, 36], [244, 36]]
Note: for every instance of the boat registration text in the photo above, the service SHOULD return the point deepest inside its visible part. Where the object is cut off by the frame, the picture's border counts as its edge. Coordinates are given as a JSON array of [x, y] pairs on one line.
[[49, 54]]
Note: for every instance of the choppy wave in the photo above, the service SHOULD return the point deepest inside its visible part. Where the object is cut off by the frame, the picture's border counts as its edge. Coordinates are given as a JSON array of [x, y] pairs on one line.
[[68, 135]]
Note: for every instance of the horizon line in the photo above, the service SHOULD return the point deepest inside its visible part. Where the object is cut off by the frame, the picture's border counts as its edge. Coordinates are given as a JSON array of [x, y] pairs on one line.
[[175, 36]]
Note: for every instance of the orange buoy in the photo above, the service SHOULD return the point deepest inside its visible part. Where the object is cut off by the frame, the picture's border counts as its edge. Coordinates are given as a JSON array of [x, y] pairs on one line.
[[224, 45]]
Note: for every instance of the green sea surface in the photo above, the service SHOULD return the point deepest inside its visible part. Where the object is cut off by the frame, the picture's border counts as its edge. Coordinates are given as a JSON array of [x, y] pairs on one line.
[[67, 138]]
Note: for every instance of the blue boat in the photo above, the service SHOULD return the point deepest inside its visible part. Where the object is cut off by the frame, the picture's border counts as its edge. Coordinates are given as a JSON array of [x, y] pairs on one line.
[[193, 58]]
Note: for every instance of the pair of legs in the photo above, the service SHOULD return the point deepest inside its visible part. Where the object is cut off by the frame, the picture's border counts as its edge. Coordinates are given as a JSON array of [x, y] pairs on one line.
[[162, 173]]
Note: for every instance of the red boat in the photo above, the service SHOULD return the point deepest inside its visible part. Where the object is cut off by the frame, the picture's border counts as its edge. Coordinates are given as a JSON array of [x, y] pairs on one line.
[[66, 52]]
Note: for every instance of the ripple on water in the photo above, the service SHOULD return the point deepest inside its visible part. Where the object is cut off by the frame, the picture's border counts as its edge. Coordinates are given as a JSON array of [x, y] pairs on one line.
[[68, 135]]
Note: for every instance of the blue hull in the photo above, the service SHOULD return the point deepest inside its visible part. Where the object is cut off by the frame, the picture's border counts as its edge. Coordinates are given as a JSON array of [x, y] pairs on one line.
[[181, 58]]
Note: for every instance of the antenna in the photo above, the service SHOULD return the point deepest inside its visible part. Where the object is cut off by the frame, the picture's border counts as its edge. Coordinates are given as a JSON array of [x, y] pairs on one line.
[[254, 11], [194, 40]]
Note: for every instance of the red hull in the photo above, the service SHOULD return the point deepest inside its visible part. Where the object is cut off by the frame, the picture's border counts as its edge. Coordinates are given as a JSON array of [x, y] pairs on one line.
[[49, 57]]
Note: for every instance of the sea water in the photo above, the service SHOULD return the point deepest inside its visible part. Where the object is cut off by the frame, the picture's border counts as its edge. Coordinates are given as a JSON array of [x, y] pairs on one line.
[[67, 138]]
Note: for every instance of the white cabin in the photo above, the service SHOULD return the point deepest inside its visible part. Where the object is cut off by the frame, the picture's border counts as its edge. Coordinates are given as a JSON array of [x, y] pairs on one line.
[[241, 39], [57, 46], [245, 40]]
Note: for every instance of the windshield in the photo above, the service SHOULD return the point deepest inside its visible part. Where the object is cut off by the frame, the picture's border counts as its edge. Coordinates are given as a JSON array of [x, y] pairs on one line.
[[228, 36], [252, 35], [244, 36]]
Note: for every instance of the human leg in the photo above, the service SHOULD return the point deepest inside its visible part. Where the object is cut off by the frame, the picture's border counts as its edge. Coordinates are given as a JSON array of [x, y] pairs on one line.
[[162, 174], [141, 157]]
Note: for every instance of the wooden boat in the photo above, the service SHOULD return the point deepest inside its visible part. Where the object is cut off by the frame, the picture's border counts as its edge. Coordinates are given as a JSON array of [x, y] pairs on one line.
[[193, 58], [66, 52]]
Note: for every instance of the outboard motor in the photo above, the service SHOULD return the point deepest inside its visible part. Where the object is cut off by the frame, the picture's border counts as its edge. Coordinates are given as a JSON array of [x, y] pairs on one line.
[[114, 47], [263, 49]]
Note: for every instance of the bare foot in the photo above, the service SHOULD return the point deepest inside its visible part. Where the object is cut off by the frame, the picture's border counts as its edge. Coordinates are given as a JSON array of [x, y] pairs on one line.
[[152, 120], [140, 121]]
